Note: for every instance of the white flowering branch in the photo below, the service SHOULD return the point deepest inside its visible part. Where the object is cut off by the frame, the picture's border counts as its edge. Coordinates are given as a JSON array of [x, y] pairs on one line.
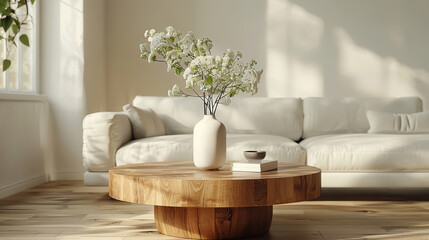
[[214, 79]]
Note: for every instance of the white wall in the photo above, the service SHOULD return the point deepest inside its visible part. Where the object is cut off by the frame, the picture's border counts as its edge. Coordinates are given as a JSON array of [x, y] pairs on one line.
[[94, 36], [331, 48], [21, 142], [73, 76], [62, 83]]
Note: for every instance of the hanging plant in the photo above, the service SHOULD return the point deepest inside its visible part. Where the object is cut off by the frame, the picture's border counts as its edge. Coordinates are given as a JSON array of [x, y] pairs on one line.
[[11, 23]]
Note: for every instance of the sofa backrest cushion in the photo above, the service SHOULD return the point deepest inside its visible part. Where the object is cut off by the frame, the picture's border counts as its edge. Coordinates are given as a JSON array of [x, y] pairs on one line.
[[397, 123], [276, 116], [145, 122], [348, 115]]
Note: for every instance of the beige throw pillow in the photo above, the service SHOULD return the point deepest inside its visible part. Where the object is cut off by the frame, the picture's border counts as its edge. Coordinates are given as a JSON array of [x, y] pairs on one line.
[[383, 122], [145, 122]]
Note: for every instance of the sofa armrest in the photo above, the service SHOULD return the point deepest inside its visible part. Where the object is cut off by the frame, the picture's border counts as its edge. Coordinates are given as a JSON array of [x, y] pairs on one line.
[[103, 134]]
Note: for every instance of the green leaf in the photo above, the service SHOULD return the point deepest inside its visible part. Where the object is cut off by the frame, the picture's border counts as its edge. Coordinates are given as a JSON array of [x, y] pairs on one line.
[[32, 1], [15, 29], [178, 71], [17, 23], [8, 11], [24, 39], [209, 80], [6, 64], [232, 93], [21, 3], [3, 4], [6, 22]]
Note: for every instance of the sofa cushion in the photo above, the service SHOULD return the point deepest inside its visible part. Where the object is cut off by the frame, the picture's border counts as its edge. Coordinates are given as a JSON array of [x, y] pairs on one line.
[[383, 122], [179, 148], [348, 115], [103, 134], [368, 152], [271, 116], [145, 122]]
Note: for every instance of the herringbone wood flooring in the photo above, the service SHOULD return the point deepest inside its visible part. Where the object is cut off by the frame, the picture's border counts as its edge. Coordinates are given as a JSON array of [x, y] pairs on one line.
[[70, 210]]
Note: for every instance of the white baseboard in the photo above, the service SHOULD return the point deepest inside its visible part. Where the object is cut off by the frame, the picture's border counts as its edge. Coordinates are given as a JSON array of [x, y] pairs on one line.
[[20, 186]]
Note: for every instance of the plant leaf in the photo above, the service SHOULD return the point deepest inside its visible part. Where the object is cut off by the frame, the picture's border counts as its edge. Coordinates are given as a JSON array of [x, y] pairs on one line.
[[24, 39], [3, 4], [32, 1], [178, 71], [8, 11], [6, 64], [6, 22], [209, 80], [232, 93], [20, 3], [16, 21], [15, 29]]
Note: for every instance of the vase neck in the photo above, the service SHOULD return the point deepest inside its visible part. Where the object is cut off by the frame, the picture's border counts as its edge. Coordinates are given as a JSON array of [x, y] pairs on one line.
[[210, 116]]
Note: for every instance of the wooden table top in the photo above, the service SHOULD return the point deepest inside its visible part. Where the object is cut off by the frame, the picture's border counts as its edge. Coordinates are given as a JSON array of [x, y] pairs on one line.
[[181, 184]]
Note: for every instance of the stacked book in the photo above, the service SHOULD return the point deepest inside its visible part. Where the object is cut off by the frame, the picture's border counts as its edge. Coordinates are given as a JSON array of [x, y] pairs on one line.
[[254, 166]]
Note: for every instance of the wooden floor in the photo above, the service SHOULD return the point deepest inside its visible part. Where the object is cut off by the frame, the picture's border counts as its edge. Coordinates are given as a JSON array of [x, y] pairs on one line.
[[70, 210]]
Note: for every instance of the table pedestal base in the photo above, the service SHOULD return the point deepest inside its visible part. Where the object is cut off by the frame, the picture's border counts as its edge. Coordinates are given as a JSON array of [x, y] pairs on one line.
[[213, 223]]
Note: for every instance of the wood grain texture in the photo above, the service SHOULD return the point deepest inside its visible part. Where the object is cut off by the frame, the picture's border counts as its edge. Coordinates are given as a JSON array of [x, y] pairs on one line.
[[213, 223], [181, 184], [71, 210]]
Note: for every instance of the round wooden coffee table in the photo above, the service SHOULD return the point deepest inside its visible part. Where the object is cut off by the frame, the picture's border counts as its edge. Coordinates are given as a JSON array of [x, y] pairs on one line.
[[192, 203]]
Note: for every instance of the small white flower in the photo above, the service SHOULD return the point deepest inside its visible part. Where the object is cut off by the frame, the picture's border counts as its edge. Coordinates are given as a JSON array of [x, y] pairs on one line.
[[218, 60], [169, 29], [175, 91], [152, 32], [149, 58], [225, 61], [143, 47], [239, 55], [186, 73]]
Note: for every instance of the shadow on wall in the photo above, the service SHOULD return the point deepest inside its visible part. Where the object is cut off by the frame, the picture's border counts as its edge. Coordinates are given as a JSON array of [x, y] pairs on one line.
[[306, 48], [347, 48]]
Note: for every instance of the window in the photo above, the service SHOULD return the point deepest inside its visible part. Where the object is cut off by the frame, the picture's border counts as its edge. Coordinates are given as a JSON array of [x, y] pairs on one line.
[[21, 76]]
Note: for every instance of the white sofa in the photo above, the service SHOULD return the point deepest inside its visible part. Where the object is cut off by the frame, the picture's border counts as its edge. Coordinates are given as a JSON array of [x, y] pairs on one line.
[[324, 132]]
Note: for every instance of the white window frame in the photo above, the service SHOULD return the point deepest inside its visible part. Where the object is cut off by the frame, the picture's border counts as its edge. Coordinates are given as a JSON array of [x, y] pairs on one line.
[[34, 46]]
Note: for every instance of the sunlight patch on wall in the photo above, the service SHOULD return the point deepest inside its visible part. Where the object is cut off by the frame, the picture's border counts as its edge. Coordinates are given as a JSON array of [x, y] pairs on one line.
[[293, 41], [360, 70], [368, 74], [71, 37]]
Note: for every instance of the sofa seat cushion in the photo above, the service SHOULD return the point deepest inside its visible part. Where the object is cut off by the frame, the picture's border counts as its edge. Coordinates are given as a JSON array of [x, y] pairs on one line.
[[368, 152], [179, 148]]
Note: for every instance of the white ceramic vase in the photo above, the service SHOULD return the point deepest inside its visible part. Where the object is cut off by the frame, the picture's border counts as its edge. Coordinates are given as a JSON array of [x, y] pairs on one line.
[[209, 143]]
